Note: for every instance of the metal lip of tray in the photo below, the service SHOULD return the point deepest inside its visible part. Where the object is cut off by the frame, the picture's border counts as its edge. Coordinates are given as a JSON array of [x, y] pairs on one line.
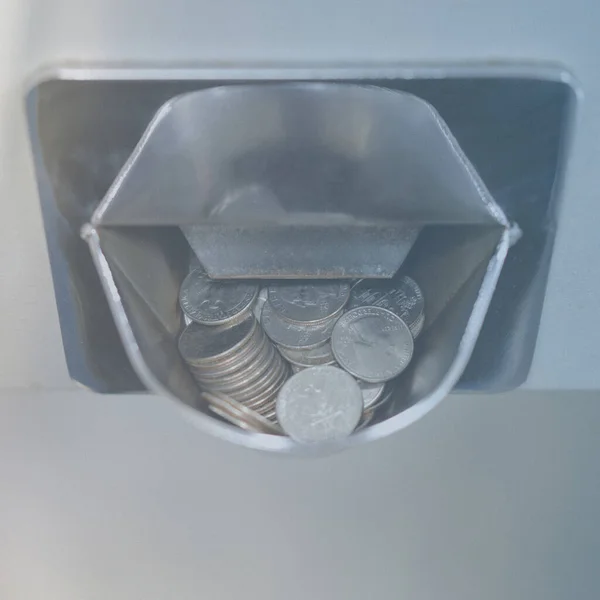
[[85, 121]]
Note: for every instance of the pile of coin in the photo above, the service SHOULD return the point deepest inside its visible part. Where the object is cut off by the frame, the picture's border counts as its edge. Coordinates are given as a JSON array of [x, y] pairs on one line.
[[224, 347], [340, 341], [300, 319]]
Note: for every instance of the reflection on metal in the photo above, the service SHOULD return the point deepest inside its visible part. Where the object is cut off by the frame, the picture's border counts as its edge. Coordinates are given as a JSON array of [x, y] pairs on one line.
[[298, 180]]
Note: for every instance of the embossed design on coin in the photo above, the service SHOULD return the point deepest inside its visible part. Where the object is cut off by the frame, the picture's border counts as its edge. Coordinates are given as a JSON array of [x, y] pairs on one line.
[[319, 404], [294, 335], [309, 302], [215, 302], [372, 343], [402, 296]]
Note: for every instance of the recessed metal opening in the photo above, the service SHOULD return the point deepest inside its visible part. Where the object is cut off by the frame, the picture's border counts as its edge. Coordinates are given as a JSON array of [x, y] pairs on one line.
[[513, 129]]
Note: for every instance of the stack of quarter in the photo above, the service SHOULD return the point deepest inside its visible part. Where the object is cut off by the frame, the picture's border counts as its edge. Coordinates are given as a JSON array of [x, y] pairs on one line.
[[303, 359], [299, 318], [236, 360], [236, 413], [226, 350]]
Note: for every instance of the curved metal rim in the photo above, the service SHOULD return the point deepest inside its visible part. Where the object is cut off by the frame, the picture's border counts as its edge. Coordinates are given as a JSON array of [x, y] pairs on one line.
[[272, 443]]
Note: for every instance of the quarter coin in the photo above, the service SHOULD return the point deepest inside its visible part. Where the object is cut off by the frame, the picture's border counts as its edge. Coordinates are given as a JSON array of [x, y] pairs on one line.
[[215, 302], [372, 343], [319, 404], [239, 415], [322, 355], [402, 296], [371, 392], [203, 344], [308, 302], [294, 336]]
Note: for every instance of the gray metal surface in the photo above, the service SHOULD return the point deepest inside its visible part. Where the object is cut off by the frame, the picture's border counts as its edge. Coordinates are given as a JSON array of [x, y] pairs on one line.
[[504, 115], [356, 171], [376, 249], [325, 150], [489, 497]]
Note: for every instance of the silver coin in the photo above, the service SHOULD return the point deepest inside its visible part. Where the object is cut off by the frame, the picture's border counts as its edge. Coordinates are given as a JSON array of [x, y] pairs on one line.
[[385, 397], [319, 404], [310, 302], [204, 344], [242, 415], [215, 302], [371, 392], [243, 355], [260, 302], [241, 379], [372, 343], [233, 418], [322, 355], [262, 388], [260, 393], [293, 335], [272, 416], [402, 296], [417, 326], [253, 379], [256, 384], [366, 418], [267, 396]]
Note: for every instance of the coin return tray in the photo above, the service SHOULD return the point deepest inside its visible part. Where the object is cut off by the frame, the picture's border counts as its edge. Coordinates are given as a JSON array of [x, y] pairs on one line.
[[512, 121], [299, 181], [143, 269]]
